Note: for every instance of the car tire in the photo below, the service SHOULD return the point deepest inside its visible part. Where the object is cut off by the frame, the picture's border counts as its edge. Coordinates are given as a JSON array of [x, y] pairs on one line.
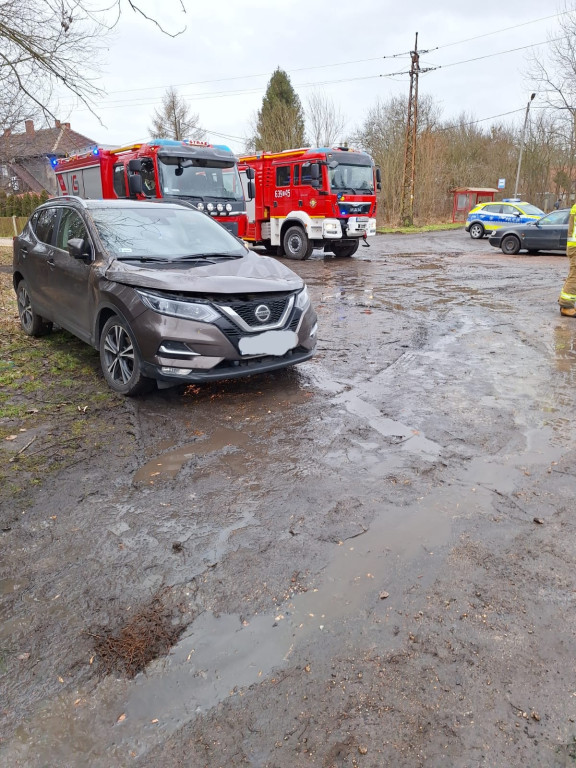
[[344, 251], [32, 324], [120, 359], [476, 231], [510, 245], [296, 244]]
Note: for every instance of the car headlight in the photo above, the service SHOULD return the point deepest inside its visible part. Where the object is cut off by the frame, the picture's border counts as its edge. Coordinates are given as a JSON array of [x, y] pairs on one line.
[[303, 298], [190, 310]]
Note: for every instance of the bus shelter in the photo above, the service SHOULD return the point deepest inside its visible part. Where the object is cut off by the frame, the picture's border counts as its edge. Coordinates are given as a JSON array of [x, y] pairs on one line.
[[465, 198]]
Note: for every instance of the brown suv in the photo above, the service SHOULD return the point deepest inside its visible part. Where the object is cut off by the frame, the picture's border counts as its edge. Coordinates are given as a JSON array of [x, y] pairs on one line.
[[162, 290]]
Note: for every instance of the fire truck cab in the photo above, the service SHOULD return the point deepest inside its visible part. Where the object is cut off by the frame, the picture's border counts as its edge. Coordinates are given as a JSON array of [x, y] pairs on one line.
[[203, 174], [311, 198]]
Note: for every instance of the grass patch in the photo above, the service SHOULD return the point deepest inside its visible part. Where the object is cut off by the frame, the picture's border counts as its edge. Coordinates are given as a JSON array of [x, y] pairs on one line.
[[5, 255], [55, 407], [415, 230]]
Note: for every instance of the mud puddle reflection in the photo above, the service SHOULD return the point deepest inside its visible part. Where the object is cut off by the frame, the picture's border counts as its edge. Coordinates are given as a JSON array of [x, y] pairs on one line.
[[168, 464]]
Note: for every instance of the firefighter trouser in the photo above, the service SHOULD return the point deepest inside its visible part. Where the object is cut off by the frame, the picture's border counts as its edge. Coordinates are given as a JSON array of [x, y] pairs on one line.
[[567, 296]]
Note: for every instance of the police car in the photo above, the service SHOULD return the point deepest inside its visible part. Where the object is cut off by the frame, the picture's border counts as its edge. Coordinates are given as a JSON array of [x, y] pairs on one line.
[[488, 217]]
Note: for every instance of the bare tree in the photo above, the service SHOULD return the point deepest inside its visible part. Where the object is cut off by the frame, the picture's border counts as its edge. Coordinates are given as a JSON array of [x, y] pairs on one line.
[[326, 121], [51, 44], [15, 108], [555, 74], [174, 119]]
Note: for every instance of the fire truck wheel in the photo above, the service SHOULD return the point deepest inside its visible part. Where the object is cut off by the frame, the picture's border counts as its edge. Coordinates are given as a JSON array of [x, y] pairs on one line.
[[296, 244], [342, 251]]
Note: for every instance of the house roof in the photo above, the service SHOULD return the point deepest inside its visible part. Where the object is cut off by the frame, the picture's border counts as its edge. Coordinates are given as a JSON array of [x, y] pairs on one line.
[[59, 140]]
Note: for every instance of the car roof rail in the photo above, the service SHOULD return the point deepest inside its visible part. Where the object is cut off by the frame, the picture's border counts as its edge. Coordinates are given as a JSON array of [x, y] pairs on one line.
[[66, 199]]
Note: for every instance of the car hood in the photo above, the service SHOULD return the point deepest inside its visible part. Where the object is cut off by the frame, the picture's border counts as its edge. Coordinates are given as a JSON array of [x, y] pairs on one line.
[[250, 274]]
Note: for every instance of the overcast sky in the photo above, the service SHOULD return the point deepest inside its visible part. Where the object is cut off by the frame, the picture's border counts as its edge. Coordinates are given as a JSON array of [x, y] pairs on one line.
[[223, 60]]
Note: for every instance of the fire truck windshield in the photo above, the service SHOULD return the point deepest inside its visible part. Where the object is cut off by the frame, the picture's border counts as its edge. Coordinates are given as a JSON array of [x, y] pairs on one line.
[[357, 179], [199, 179]]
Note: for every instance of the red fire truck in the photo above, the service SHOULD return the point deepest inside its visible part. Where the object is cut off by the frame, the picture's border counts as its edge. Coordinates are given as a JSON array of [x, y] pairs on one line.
[[203, 174], [311, 198]]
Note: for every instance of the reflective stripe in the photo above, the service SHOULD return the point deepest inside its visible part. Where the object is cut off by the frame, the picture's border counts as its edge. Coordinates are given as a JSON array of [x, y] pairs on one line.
[[571, 240], [568, 296]]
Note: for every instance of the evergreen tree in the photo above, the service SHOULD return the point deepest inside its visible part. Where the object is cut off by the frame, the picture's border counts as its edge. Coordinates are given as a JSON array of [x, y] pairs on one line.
[[17, 206], [280, 122], [27, 204]]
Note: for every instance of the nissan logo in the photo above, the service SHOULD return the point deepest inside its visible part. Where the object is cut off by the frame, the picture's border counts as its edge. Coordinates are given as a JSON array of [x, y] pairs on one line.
[[262, 313]]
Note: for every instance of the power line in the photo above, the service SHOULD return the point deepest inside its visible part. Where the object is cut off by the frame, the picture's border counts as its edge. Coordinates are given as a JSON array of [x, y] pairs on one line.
[[341, 63], [500, 53], [115, 104]]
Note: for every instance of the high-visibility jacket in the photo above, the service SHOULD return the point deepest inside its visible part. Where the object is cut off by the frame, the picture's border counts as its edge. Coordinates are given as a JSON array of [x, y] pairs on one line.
[[571, 241]]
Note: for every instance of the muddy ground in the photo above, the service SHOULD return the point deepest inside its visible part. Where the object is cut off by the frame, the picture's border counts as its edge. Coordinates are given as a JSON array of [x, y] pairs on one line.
[[368, 560]]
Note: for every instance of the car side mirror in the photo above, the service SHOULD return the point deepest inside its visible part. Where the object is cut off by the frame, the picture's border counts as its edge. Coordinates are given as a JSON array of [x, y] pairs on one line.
[[79, 249], [135, 165], [251, 191], [135, 185], [250, 173]]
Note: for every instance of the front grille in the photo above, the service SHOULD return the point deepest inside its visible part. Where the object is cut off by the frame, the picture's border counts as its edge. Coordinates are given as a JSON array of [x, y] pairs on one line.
[[234, 333], [231, 226], [354, 209], [246, 310]]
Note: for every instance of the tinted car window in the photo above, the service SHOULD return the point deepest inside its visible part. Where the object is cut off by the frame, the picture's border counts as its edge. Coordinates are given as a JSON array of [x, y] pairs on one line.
[[119, 180], [283, 176], [71, 226], [492, 209], [555, 218], [148, 180], [508, 209], [45, 224]]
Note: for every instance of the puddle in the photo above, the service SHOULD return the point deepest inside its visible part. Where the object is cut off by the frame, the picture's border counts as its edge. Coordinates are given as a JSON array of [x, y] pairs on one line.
[[10, 586], [168, 464], [220, 657], [411, 439]]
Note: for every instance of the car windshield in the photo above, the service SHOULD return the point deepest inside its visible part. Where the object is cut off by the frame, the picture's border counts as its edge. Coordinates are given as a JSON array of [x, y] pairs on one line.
[[531, 210], [162, 232], [199, 179], [355, 178]]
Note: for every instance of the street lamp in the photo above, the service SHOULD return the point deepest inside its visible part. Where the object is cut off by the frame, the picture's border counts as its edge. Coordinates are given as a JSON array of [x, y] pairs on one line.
[[522, 144]]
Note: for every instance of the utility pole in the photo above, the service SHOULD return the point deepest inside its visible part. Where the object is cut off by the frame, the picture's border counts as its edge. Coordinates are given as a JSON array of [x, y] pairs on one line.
[[407, 206], [522, 145]]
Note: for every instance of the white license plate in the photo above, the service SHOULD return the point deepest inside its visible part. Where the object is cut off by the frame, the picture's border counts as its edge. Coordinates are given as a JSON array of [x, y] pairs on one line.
[[268, 343]]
